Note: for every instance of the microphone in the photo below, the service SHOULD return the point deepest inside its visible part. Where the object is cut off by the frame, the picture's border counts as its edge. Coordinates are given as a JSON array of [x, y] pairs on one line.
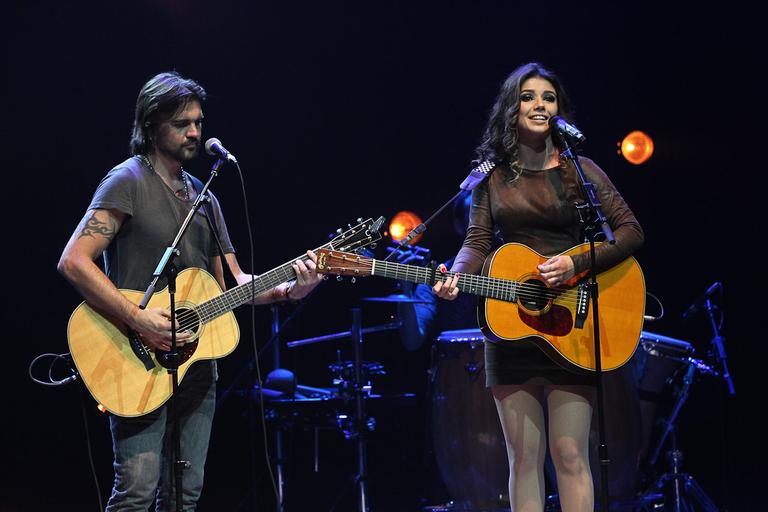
[[699, 302], [564, 128], [214, 148]]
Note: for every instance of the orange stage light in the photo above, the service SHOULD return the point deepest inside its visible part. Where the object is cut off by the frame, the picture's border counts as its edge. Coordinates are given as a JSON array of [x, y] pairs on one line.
[[637, 147], [402, 224]]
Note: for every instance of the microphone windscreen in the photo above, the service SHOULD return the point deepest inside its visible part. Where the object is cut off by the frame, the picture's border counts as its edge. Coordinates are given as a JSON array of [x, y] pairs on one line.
[[209, 145]]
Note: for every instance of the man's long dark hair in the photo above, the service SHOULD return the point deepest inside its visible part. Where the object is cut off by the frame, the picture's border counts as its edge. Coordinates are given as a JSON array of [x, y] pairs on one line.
[[160, 99], [499, 142]]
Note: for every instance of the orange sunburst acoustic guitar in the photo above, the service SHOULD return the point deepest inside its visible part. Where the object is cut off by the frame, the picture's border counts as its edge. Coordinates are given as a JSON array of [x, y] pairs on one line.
[[128, 379], [517, 303]]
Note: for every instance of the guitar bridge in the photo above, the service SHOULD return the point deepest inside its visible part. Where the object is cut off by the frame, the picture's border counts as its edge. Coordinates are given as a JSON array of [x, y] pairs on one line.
[[140, 350], [582, 306]]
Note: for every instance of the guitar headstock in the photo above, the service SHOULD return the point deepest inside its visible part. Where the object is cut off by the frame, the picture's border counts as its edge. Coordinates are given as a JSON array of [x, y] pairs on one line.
[[362, 235], [343, 263]]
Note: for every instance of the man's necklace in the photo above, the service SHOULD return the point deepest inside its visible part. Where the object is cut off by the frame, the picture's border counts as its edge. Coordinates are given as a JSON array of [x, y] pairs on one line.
[[151, 167]]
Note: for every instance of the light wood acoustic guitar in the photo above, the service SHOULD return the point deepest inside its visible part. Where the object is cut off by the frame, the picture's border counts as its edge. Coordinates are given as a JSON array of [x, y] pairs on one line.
[[128, 379], [517, 303]]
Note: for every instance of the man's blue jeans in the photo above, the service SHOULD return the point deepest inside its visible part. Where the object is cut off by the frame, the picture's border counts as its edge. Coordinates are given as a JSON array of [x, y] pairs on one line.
[[142, 447]]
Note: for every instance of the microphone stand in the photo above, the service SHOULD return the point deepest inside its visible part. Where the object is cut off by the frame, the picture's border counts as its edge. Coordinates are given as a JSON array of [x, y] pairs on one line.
[[473, 179], [170, 361], [421, 227], [718, 347], [595, 224]]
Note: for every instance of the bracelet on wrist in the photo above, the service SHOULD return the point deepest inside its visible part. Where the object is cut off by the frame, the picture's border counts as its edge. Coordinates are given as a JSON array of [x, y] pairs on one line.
[[288, 289]]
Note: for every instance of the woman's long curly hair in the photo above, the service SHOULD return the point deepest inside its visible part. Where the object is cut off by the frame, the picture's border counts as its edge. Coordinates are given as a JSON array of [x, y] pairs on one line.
[[499, 142]]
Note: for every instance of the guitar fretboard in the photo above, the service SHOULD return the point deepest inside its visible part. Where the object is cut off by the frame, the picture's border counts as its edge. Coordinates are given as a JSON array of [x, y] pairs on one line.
[[241, 294], [492, 287]]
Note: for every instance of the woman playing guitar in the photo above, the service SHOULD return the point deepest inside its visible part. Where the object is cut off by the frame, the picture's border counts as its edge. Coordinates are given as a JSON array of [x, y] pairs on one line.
[[529, 199]]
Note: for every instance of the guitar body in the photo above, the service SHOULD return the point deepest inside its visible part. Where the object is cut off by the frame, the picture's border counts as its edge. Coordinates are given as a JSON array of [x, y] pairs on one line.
[[551, 323], [113, 373]]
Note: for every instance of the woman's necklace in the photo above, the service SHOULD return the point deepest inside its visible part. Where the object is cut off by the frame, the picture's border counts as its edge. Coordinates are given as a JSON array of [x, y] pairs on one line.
[[151, 167]]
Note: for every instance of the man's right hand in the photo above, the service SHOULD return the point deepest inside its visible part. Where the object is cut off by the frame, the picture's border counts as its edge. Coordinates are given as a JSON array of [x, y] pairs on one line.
[[154, 326]]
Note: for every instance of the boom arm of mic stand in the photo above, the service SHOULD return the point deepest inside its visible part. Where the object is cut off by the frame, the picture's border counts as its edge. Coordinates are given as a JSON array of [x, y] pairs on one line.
[[475, 177], [423, 226]]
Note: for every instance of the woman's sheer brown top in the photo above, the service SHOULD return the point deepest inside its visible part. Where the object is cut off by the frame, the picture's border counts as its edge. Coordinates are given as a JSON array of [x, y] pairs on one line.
[[537, 209]]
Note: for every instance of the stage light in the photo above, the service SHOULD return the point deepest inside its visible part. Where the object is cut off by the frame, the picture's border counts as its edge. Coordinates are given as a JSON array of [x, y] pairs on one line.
[[637, 147], [402, 224]]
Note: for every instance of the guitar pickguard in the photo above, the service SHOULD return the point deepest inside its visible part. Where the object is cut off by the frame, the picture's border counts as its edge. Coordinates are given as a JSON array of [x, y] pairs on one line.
[[188, 319], [557, 321]]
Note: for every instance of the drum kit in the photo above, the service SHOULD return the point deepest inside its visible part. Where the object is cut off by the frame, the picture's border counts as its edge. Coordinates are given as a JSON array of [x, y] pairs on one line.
[[342, 407], [467, 440]]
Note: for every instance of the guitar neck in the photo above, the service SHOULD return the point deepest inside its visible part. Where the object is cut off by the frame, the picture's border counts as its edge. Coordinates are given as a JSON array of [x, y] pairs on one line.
[[491, 287], [241, 294]]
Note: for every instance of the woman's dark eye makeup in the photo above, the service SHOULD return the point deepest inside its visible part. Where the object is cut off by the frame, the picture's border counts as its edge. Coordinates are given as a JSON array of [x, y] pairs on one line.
[[527, 96]]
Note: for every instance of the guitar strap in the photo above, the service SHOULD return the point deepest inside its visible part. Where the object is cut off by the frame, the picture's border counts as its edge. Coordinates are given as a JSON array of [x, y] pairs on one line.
[[478, 174]]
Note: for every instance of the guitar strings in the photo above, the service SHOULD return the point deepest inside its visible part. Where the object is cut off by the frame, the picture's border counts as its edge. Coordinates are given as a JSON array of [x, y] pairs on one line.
[[497, 285], [228, 300]]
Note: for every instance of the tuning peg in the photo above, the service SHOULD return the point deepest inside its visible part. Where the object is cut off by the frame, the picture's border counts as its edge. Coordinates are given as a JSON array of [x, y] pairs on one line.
[[353, 280], [373, 245], [359, 220], [339, 231], [339, 278]]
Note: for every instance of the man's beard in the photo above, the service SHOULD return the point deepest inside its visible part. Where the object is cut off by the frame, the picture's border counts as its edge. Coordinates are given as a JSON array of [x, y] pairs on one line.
[[183, 153]]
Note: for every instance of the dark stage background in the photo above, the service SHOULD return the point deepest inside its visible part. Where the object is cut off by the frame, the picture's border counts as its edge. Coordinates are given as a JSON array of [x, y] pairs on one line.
[[345, 109]]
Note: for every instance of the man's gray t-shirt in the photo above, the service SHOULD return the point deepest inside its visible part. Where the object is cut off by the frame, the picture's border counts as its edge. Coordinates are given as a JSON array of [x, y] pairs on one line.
[[155, 215]]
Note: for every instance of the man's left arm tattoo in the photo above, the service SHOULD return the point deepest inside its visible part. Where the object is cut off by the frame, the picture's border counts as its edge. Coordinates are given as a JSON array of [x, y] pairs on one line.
[[96, 227]]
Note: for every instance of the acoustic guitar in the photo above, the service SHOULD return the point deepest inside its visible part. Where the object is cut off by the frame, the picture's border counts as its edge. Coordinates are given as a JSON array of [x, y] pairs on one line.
[[128, 379], [516, 303]]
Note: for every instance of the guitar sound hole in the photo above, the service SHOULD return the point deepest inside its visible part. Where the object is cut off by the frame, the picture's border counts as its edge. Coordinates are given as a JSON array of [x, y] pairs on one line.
[[188, 320], [532, 295]]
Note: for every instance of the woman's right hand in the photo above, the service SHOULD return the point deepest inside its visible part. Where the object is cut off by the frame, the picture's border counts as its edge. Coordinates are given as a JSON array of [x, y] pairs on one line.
[[448, 288]]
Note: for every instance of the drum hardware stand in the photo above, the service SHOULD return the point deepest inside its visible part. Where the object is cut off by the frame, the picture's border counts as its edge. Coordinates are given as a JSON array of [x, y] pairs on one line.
[[474, 368], [246, 371], [684, 482], [357, 432], [681, 482], [360, 424]]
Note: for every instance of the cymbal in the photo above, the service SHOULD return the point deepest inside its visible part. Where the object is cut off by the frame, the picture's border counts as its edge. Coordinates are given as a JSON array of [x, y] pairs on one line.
[[396, 297]]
